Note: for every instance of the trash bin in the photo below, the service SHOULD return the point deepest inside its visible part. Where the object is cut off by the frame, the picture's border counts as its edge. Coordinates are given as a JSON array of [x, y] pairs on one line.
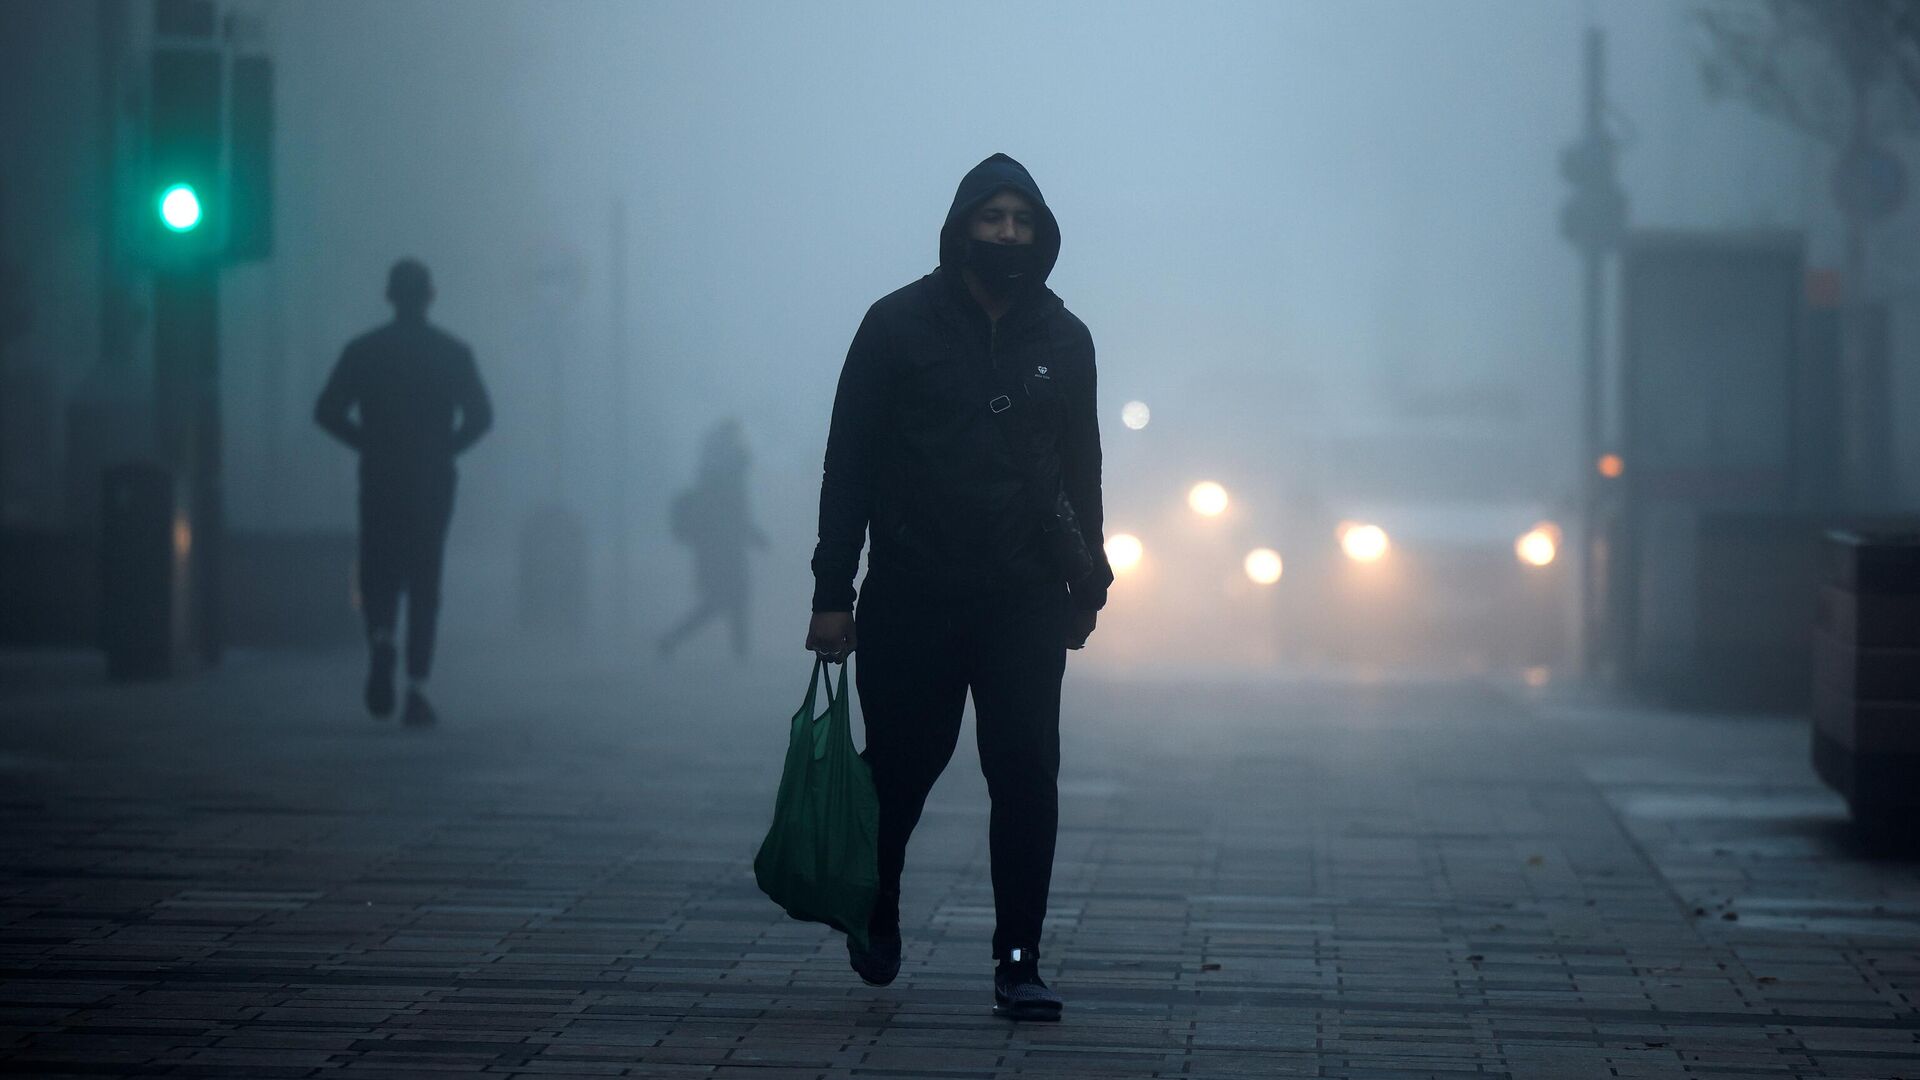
[[1866, 730], [139, 572]]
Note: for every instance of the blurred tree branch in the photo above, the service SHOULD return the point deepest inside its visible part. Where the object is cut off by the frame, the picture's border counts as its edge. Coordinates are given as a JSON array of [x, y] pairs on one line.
[[1846, 72], [1819, 66], [1906, 44]]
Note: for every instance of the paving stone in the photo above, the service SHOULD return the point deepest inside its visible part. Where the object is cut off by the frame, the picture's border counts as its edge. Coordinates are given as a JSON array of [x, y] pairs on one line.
[[1302, 877]]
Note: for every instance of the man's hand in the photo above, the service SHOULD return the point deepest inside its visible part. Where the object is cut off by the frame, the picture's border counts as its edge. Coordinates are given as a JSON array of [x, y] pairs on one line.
[[831, 635], [1079, 627]]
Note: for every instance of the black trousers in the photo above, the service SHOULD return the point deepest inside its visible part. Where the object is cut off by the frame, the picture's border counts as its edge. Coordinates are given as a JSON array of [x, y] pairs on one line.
[[918, 659], [403, 537]]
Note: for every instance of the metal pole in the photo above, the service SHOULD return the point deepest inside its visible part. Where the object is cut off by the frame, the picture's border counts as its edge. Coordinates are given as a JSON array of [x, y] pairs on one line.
[[1593, 296], [1594, 300], [1592, 608], [186, 336], [622, 421], [1594, 291]]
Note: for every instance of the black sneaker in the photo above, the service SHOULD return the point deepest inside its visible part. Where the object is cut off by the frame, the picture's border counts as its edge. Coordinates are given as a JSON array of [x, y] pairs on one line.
[[879, 963], [1018, 992], [380, 682], [419, 712]]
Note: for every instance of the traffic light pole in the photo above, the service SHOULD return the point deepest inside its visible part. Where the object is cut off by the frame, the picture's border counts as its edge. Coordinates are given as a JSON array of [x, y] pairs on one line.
[[1593, 221], [623, 424], [1598, 561], [208, 182], [186, 343]]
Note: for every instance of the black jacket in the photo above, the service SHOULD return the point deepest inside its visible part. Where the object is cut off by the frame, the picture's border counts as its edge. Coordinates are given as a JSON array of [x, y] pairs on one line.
[[417, 393], [915, 458]]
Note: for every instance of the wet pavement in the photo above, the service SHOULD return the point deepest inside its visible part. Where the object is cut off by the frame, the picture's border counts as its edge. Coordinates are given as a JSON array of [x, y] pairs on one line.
[[241, 875]]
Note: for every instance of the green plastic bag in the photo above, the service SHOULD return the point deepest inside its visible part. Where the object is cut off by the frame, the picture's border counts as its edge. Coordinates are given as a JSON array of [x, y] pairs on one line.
[[819, 860]]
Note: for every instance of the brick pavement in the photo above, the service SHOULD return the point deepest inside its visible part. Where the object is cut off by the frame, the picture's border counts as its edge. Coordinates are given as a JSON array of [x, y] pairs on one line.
[[240, 876]]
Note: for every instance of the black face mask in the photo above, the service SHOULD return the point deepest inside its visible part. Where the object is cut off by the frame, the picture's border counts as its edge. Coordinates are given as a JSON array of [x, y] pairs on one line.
[[1004, 270]]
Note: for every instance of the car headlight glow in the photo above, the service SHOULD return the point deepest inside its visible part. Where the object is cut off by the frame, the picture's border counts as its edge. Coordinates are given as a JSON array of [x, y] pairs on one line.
[[1539, 546], [1264, 566], [1207, 499], [1364, 543]]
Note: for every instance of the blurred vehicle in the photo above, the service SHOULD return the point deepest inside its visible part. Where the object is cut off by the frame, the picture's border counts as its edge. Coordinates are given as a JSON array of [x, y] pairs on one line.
[[1480, 585], [1414, 526]]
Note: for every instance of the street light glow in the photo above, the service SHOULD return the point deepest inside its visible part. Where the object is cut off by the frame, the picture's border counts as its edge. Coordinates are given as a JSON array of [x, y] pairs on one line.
[[1263, 566], [1135, 414], [1207, 498], [180, 208], [1123, 552], [1611, 466], [1364, 543]]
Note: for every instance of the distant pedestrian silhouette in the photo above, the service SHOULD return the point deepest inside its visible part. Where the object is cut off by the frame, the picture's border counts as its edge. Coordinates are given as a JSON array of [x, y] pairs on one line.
[[713, 519], [408, 397]]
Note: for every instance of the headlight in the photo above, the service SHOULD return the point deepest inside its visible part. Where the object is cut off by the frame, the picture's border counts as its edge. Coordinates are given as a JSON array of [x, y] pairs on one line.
[[1540, 545], [1263, 566], [1364, 543], [1207, 498]]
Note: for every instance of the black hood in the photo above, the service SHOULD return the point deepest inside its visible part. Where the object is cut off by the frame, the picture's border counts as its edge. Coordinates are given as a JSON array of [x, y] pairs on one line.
[[983, 182]]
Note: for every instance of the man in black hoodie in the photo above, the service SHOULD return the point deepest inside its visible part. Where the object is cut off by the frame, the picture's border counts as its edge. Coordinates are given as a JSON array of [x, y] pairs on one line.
[[965, 418], [419, 404]]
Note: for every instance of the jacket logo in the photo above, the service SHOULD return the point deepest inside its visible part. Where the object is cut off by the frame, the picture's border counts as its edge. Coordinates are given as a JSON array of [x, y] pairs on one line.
[[1041, 372]]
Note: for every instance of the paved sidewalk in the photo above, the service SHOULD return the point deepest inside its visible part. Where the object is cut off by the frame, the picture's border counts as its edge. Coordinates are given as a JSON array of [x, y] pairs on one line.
[[240, 875]]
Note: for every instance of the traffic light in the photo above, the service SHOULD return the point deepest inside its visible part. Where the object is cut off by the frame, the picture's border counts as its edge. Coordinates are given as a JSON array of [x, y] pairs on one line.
[[180, 208], [186, 185]]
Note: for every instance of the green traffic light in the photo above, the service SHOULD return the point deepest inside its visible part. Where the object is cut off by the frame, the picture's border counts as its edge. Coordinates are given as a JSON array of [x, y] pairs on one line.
[[180, 208]]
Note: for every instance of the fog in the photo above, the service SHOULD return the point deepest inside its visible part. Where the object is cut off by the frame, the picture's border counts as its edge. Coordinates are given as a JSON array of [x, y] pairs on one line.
[[1320, 240], [1286, 224]]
